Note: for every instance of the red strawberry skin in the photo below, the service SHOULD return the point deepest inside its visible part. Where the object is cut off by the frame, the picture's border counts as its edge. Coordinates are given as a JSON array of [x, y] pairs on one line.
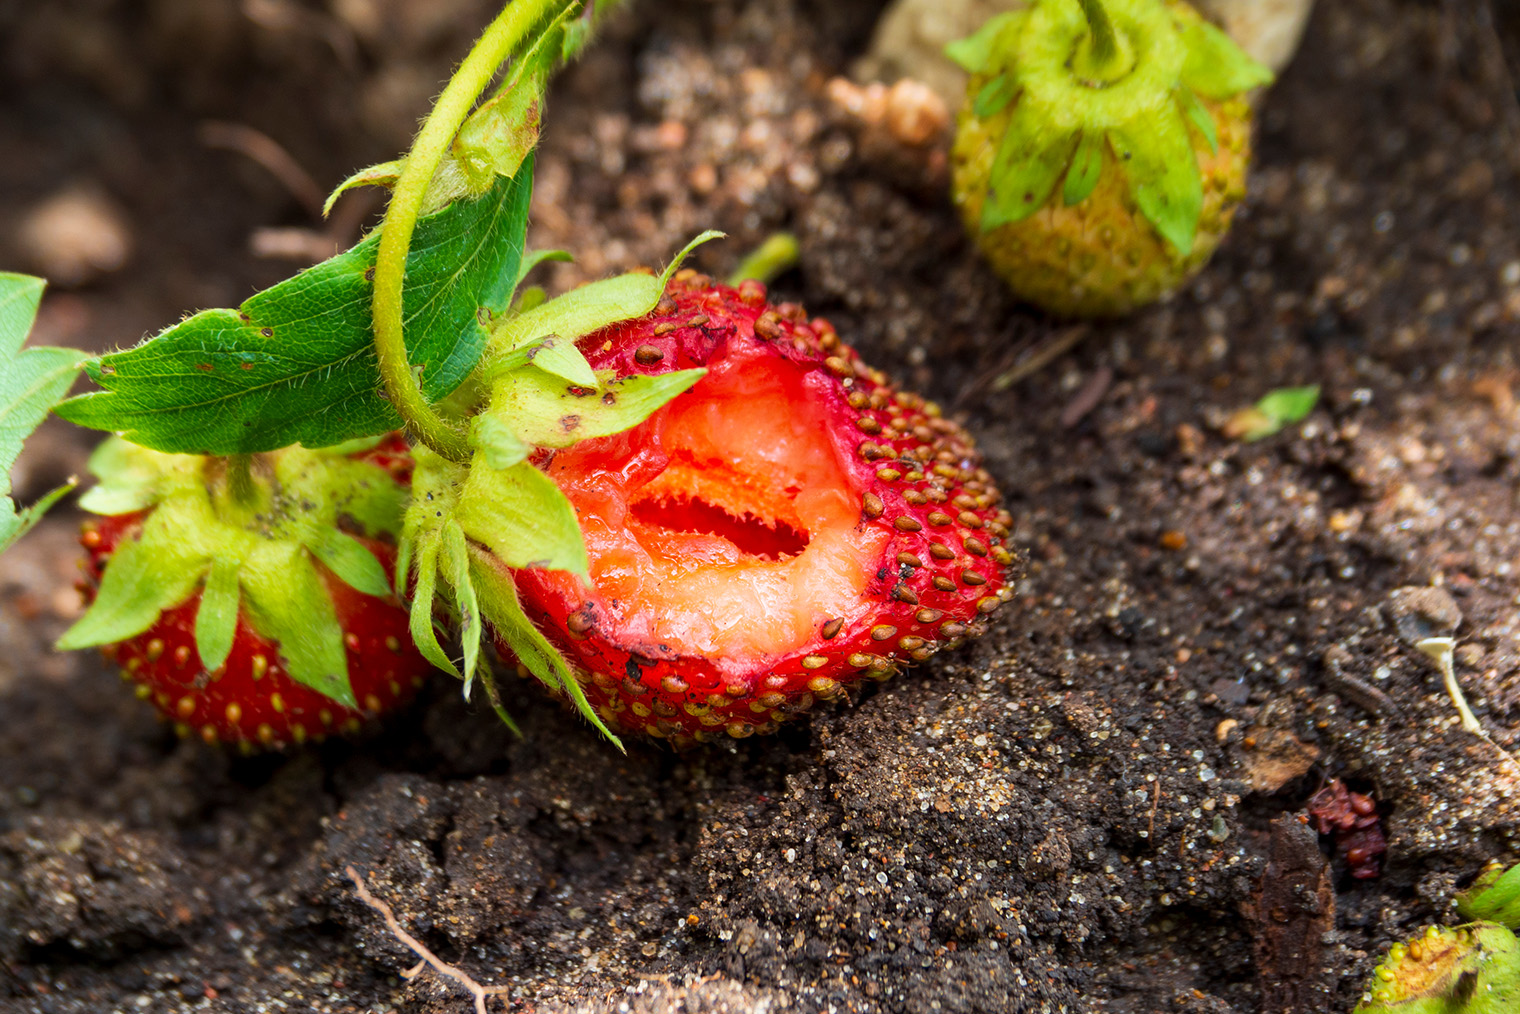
[[789, 526], [251, 699]]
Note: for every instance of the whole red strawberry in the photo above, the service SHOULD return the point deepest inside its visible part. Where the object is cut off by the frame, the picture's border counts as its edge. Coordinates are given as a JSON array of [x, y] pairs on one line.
[[790, 525], [260, 618]]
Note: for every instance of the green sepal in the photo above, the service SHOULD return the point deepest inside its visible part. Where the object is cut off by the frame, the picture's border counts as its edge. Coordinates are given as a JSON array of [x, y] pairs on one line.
[[994, 96], [31, 381], [544, 412], [217, 615], [1495, 895], [523, 517], [496, 442], [581, 311], [979, 52], [1199, 117], [533, 258], [1216, 67], [158, 570], [1163, 175], [133, 478], [502, 131], [456, 570], [350, 562], [1029, 163], [423, 596], [501, 608], [287, 601], [530, 297], [383, 175], [1086, 168]]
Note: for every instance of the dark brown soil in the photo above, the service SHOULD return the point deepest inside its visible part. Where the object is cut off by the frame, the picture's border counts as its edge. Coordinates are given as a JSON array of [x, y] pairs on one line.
[[1073, 813]]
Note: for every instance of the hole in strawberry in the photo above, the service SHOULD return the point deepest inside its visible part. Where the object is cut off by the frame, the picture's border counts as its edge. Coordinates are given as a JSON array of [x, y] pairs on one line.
[[775, 540]]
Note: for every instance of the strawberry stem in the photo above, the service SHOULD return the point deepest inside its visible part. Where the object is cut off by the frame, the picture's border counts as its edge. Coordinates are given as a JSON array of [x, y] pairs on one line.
[[1103, 57], [495, 45], [240, 478]]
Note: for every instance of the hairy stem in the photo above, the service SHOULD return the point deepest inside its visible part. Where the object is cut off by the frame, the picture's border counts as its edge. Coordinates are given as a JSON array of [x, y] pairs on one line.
[[498, 41], [1102, 58], [240, 478]]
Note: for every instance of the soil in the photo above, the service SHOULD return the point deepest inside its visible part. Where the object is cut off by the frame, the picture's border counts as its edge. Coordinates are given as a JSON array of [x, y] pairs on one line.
[[1090, 809]]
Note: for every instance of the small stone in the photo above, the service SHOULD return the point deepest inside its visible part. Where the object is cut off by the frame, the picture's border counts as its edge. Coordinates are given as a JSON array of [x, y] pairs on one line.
[[1418, 613]]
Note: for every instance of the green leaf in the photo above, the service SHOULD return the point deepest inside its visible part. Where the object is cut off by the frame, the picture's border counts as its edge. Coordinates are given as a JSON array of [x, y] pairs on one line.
[[133, 478], [1215, 66], [501, 608], [1199, 117], [1495, 896], [1029, 163], [979, 52], [1163, 175], [350, 562], [496, 442], [675, 263], [1086, 168], [1289, 404], [216, 616], [522, 517], [17, 524], [456, 570], [298, 365], [544, 412], [993, 97], [31, 381], [288, 602]]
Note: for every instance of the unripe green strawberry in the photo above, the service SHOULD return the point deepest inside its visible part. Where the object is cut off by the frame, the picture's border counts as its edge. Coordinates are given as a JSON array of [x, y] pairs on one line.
[[1097, 180], [1470, 969]]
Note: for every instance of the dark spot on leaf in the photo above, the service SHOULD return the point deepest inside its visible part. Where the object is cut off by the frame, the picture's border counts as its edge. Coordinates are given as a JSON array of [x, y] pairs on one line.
[[107, 369], [580, 392], [609, 398], [267, 332], [569, 423], [483, 315], [247, 366], [204, 367], [369, 275], [244, 318]]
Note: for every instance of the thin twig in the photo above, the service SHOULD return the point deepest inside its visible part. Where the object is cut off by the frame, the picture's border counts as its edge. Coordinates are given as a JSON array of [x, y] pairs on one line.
[[478, 991], [269, 153]]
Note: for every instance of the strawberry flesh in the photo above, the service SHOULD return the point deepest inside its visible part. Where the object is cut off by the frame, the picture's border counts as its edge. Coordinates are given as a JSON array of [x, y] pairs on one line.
[[251, 699], [788, 526]]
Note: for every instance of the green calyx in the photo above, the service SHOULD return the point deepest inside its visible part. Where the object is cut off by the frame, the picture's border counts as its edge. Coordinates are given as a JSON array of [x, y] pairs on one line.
[[470, 524], [1092, 83], [1494, 896], [1469, 969], [252, 552]]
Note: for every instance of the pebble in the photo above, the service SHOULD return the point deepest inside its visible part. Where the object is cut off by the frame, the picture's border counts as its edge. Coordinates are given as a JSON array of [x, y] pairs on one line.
[[75, 236], [1418, 613]]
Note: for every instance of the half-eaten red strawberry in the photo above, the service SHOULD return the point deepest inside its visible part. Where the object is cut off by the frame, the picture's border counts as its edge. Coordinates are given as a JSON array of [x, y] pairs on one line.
[[252, 610], [788, 526]]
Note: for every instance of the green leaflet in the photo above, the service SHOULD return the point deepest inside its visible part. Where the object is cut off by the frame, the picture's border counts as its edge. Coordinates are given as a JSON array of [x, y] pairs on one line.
[[1495, 895], [1216, 67], [533, 258], [421, 620], [543, 411], [1029, 163], [354, 565], [297, 364], [1086, 168], [31, 381], [523, 518], [500, 606], [132, 478], [979, 52], [1163, 175]]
